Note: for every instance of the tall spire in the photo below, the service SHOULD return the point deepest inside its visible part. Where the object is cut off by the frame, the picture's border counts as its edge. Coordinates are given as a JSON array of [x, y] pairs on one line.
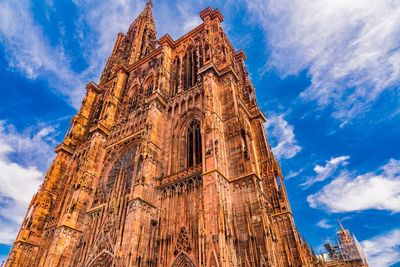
[[341, 226], [148, 10], [142, 34], [145, 17]]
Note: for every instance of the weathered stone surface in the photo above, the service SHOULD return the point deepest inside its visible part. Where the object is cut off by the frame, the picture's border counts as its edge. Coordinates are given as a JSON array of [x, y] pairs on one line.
[[166, 164]]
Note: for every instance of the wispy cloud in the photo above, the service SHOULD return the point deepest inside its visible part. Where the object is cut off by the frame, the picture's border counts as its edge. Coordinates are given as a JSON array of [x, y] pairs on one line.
[[98, 26], [351, 49], [29, 51], [324, 224], [282, 137], [31, 147], [324, 172], [21, 156], [373, 190], [293, 174], [383, 250], [100, 22]]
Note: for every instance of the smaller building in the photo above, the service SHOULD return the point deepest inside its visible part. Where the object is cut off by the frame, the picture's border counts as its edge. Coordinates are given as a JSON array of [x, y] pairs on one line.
[[346, 252]]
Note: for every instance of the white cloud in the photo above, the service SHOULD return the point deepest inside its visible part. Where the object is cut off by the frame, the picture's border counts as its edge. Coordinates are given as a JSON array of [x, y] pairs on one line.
[[100, 22], [373, 190], [324, 172], [324, 223], [17, 186], [351, 49], [293, 174], [21, 156], [98, 25], [179, 20], [3, 258], [32, 147], [29, 51], [383, 250], [282, 134]]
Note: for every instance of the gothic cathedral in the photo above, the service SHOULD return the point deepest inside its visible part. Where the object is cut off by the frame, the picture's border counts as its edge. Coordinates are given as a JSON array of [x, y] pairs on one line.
[[166, 164]]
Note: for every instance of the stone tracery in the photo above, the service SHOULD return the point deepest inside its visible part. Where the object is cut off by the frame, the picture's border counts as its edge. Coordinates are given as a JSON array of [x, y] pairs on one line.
[[166, 164], [182, 260]]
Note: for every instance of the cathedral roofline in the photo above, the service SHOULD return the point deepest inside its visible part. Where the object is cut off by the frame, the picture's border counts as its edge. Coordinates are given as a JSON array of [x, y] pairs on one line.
[[207, 12], [121, 67], [169, 41], [166, 38], [212, 14], [241, 55], [144, 59], [93, 85], [174, 43]]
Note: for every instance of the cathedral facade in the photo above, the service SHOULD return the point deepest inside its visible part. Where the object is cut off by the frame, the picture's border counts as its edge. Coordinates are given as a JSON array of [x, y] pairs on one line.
[[166, 164]]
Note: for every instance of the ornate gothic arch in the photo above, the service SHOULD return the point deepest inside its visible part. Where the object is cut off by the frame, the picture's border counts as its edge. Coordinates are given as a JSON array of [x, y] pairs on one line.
[[185, 118], [119, 159], [131, 99], [123, 164], [179, 144], [103, 259], [149, 83], [183, 242], [213, 262], [183, 260], [193, 144]]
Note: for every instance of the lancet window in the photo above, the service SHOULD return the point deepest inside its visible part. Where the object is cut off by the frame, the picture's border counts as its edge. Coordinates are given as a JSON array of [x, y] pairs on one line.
[[186, 68], [207, 52], [139, 170], [98, 109], [244, 144], [190, 68], [201, 56], [149, 87], [193, 151], [133, 98], [123, 168], [175, 78], [133, 104]]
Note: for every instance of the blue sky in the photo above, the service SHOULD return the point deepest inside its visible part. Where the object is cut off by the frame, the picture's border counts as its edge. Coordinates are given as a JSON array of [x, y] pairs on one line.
[[327, 75]]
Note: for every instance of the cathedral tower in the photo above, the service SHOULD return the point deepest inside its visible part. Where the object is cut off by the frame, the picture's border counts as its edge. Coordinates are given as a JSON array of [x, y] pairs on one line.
[[166, 164]]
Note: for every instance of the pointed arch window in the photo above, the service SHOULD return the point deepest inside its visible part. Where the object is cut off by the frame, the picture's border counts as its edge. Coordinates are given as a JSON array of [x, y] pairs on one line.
[[133, 104], [201, 56], [193, 144], [175, 78], [149, 88], [207, 52], [190, 68], [244, 144], [98, 109]]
